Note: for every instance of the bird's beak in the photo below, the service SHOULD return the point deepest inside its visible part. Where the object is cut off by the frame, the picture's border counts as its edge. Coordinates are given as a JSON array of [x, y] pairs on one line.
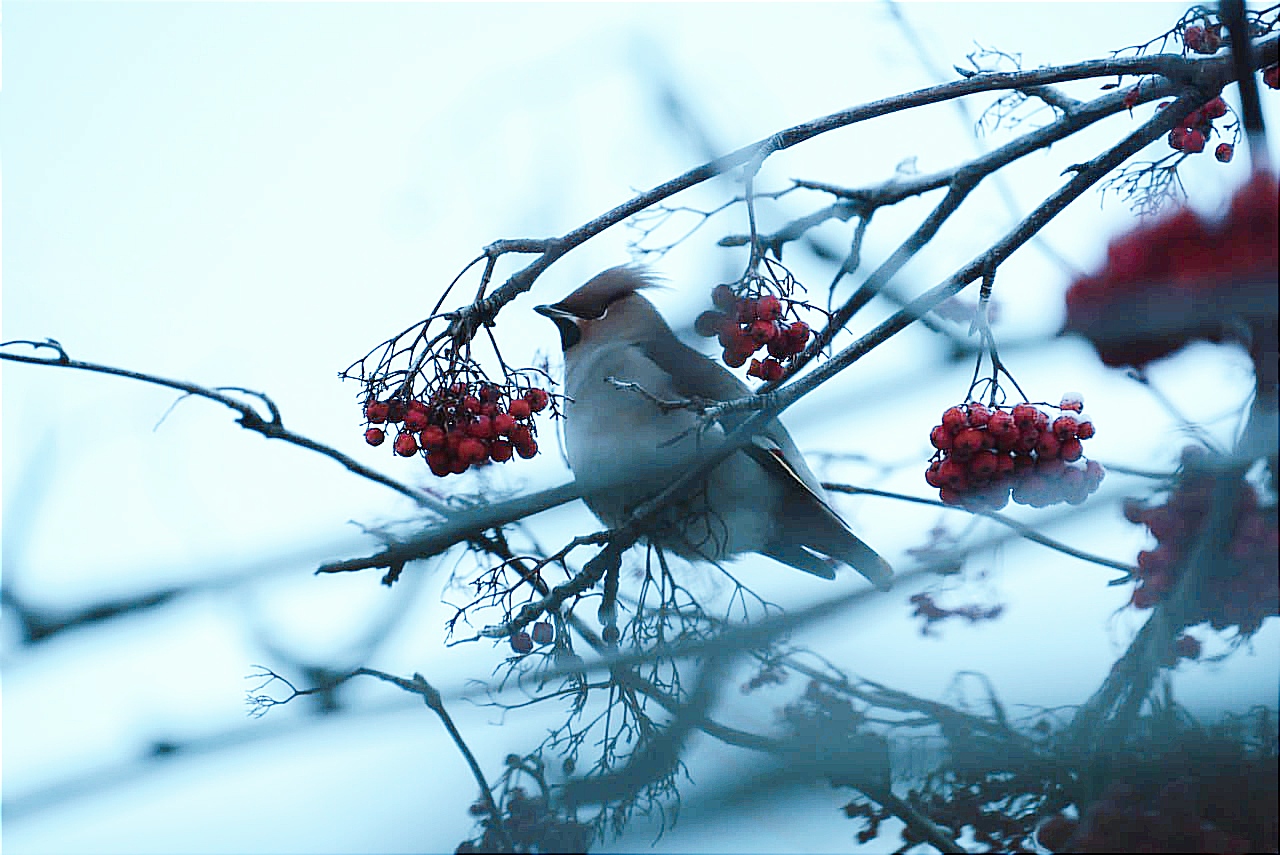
[[555, 313], [566, 323]]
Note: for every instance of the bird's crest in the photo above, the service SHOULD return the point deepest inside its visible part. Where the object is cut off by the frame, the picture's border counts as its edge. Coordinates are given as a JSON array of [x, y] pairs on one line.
[[592, 299]]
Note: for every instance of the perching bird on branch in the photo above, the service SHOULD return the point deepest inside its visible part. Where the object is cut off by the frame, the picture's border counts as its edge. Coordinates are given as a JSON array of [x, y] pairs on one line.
[[628, 436]]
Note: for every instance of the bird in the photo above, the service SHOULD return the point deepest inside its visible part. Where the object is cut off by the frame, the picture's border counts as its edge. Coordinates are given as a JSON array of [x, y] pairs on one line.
[[627, 438]]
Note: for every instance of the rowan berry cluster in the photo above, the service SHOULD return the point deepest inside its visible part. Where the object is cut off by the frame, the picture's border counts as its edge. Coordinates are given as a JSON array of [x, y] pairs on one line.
[[1193, 131], [523, 642], [1205, 40], [986, 454], [1244, 588], [529, 824], [743, 325], [459, 425], [1180, 816], [1185, 278]]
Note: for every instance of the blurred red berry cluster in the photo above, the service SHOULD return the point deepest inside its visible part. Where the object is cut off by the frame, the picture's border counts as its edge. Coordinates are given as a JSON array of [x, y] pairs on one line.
[[1179, 816], [985, 454], [1193, 131], [459, 425], [743, 325], [1182, 278], [529, 824], [1204, 40], [927, 608], [543, 633], [1244, 587]]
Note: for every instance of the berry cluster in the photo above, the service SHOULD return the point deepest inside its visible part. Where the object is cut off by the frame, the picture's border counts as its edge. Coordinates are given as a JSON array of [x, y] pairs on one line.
[[743, 325], [523, 642], [1185, 278], [1244, 590], [1204, 40], [1178, 816], [1193, 131], [528, 822], [459, 426], [927, 608], [985, 453]]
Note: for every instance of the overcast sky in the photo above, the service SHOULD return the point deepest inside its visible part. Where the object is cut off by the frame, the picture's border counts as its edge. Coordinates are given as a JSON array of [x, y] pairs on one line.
[[254, 195]]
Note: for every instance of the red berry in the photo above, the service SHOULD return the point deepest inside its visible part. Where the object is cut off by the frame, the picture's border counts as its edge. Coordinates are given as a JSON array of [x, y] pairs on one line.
[[471, 404], [763, 332], [521, 643], [954, 420], [1048, 446], [1072, 401], [932, 476], [1190, 140], [967, 443], [1024, 415], [748, 311], [756, 369], [500, 450], [1193, 37], [953, 475], [1055, 831], [473, 451], [798, 335], [503, 423], [481, 428], [543, 633], [1071, 450], [1224, 152], [488, 394], [769, 308], [1004, 465], [415, 416], [520, 435], [1000, 423], [773, 370], [439, 462], [395, 411], [984, 466], [538, 399], [1065, 427], [735, 358], [709, 323], [941, 438], [374, 436], [1271, 76], [1028, 439], [376, 411], [979, 415], [432, 437], [527, 449], [1186, 647], [1215, 109], [724, 298], [405, 445], [1085, 430], [519, 409], [457, 465]]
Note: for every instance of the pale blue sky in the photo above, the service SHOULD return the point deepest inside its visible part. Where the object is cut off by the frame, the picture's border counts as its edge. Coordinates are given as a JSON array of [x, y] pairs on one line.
[[255, 194]]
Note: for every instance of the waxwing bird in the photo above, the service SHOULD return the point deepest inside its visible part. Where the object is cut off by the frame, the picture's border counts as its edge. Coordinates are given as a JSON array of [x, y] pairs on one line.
[[622, 362]]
